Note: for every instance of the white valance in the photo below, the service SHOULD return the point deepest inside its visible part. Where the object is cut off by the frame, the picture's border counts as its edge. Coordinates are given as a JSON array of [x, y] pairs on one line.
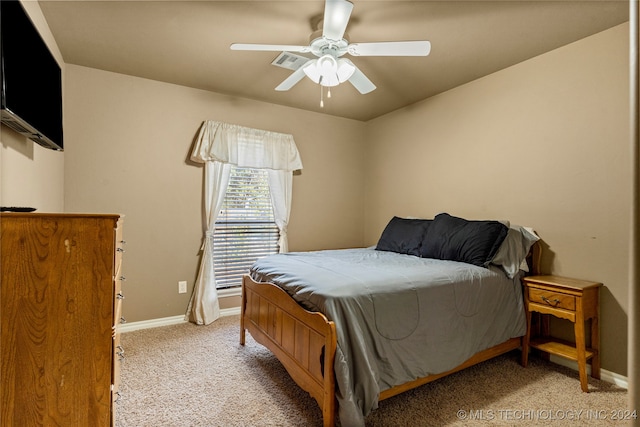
[[246, 147]]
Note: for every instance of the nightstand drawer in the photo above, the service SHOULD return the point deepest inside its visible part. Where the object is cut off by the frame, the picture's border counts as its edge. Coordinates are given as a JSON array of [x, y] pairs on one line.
[[552, 299]]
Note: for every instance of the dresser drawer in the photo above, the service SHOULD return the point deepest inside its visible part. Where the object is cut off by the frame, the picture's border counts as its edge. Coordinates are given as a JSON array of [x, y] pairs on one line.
[[552, 299]]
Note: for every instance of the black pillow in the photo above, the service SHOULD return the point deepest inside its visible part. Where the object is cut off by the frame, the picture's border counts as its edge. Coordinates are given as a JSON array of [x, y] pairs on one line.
[[403, 235], [457, 239]]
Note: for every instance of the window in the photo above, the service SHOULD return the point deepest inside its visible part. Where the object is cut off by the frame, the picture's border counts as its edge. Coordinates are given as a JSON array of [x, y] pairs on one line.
[[245, 228]]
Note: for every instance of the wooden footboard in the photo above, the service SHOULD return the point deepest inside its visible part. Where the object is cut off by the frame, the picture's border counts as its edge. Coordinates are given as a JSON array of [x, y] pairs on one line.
[[303, 341]]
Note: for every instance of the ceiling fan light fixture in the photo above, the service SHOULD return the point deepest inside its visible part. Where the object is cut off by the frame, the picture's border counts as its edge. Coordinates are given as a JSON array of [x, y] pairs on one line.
[[324, 71], [345, 70], [330, 80], [327, 64], [312, 70]]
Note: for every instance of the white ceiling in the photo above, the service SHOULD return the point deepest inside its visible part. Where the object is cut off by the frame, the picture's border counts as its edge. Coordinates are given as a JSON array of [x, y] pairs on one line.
[[187, 43]]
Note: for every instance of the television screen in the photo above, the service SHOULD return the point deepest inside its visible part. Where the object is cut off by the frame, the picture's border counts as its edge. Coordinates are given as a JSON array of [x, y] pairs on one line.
[[31, 79]]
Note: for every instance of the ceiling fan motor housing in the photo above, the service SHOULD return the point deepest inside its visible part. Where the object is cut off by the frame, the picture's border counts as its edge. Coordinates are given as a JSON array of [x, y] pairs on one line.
[[322, 46]]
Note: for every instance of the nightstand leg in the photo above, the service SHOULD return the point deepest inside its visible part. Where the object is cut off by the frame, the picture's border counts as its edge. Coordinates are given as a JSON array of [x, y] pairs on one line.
[[595, 345], [525, 341], [581, 350]]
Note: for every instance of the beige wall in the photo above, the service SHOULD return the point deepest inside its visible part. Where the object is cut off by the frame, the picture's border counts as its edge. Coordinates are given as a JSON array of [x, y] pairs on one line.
[[127, 148], [545, 144], [31, 175]]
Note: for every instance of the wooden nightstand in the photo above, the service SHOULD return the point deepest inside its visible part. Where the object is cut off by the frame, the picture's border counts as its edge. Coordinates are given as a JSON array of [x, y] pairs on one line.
[[570, 299]]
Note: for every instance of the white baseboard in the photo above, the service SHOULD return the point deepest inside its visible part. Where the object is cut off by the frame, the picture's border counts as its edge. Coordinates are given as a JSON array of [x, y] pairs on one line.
[[230, 311], [166, 321], [608, 376]]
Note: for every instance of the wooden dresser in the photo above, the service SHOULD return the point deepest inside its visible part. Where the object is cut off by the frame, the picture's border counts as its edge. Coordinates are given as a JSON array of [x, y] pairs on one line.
[[60, 296]]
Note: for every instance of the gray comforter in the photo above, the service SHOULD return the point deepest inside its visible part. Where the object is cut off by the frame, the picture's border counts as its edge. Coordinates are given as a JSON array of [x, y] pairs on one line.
[[398, 317]]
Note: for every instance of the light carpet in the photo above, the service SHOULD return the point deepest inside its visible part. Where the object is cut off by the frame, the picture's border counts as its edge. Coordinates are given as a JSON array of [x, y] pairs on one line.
[[188, 375]]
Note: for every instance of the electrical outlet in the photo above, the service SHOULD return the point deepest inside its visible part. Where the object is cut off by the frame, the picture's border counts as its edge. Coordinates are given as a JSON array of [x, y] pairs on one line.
[[182, 287]]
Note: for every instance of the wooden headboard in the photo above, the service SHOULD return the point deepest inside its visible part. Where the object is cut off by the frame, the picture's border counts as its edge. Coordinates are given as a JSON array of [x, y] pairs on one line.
[[533, 258]]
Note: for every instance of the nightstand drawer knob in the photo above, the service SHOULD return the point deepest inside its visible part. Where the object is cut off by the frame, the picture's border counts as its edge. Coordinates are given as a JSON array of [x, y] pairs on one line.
[[554, 302]]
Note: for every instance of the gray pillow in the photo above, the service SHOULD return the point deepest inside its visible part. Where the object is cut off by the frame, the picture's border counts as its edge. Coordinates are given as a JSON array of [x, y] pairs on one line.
[[514, 249]]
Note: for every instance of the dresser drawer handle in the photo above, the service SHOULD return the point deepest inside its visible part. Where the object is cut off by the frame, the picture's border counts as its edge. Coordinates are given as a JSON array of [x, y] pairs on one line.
[[120, 353], [554, 302]]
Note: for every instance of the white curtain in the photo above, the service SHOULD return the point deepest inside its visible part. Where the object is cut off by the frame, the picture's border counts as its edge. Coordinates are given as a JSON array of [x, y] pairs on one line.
[[280, 186], [204, 307], [220, 145]]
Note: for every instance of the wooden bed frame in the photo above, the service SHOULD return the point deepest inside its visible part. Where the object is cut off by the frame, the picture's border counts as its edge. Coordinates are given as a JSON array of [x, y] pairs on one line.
[[305, 342]]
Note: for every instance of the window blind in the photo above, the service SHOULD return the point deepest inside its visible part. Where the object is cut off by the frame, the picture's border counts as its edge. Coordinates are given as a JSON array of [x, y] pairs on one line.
[[245, 228]]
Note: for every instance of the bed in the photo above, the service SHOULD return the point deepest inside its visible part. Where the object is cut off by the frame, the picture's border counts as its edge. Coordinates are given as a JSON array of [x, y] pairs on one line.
[[356, 326]]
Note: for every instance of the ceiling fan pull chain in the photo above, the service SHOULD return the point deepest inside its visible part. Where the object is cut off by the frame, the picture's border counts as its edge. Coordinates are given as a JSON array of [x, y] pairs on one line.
[[321, 92]]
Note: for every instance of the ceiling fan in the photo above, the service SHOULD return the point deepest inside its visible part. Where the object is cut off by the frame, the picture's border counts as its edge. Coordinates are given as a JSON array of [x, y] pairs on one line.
[[330, 68]]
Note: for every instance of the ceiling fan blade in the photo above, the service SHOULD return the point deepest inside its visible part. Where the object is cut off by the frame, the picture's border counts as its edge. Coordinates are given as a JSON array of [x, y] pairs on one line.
[[410, 48], [270, 47], [336, 18], [360, 81], [290, 81]]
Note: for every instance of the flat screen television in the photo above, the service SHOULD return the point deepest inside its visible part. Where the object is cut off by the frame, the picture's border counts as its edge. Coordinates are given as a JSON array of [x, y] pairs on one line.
[[31, 79]]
